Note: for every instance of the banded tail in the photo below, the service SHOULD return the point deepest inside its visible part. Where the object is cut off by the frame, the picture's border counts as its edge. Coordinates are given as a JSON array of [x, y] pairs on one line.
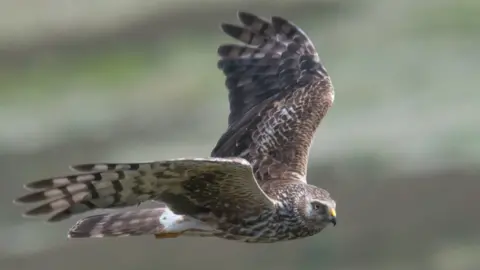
[[161, 222]]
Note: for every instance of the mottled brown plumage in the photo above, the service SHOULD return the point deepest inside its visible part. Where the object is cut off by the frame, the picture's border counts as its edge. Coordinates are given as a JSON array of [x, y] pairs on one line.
[[253, 188], [279, 91]]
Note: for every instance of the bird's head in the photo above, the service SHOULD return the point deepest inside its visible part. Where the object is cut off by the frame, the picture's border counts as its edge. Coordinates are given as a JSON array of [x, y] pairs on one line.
[[319, 208]]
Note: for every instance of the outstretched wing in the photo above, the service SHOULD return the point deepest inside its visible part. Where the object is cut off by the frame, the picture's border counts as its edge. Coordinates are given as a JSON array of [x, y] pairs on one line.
[[188, 186], [278, 91]]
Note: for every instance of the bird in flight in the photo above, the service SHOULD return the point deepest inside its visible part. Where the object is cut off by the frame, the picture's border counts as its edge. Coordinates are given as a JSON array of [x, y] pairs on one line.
[[252, 188]]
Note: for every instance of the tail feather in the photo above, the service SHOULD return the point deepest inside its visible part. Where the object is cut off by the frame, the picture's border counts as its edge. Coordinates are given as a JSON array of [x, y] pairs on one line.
[[135, 222], [161, 222]]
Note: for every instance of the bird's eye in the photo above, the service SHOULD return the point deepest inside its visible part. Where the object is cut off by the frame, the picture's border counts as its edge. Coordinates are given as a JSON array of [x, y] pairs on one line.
[[317, 206]]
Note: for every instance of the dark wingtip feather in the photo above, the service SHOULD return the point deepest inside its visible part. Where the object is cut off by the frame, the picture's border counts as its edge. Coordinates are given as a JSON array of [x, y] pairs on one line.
[[104, 167], [81, 167], [92, 167], [223, 50], [39, 184], [289, 29], [231, 30], [277, 20], [59, 216], [39, 210], [279, 24], [246, 18], [30, 198]]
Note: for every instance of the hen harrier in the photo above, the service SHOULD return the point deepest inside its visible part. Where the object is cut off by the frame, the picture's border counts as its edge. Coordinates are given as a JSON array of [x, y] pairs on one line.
[[253, 188]]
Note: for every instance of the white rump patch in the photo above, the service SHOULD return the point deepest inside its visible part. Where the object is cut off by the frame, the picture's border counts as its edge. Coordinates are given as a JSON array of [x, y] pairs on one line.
[[174, 223]]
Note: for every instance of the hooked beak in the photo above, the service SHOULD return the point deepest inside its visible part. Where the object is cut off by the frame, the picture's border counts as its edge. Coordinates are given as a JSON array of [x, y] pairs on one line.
[[333, 216]]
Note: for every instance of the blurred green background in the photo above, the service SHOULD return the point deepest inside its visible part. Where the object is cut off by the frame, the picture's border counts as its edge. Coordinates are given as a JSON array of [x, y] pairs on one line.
[[125, 80]]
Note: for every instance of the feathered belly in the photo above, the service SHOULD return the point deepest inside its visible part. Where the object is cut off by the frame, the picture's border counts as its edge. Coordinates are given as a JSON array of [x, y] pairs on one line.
[[266, 232]]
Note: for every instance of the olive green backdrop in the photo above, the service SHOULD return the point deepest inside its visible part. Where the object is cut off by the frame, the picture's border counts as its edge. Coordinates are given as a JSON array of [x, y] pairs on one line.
[[133, 80]]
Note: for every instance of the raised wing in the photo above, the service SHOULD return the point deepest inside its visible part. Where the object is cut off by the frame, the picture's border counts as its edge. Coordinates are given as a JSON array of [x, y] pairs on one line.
[[278, 91], [187, 186]]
